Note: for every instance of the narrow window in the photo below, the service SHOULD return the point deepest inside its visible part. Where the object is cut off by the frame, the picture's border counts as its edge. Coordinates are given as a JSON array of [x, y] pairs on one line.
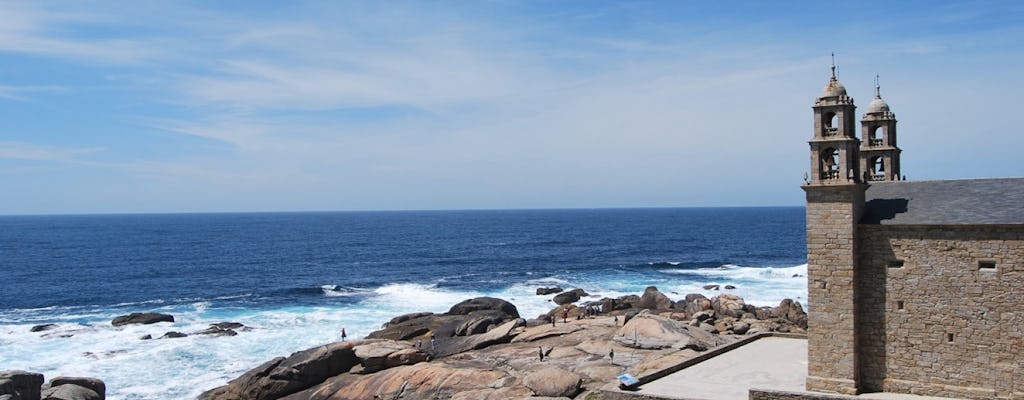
[[949, 338], [824, 285], [899, 304], [896, 264], [986, 265]]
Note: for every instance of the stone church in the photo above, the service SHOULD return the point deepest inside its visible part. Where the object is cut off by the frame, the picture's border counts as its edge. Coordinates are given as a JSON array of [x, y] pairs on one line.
[[913, 286]]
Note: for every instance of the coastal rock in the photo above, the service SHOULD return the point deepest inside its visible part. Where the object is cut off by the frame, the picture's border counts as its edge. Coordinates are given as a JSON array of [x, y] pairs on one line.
[[421, 381], [652, 299], [484, 304], [141, 318], [693, 303], [729, 287], [549, 290], [620, 303], [791, 311], [405, 317], [728, 305], [216, 330], [42, 328], [92, 384], [571, 296], [542, 332], [649, 331], [283, 376], [70, 392], [551, 381], [711, 287], [173, 335], [377, 355], [500, 334], [20, 385]]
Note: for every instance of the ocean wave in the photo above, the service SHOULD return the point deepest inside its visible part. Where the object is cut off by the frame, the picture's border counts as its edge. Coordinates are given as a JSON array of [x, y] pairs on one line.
[[731, 271], [343, 291]]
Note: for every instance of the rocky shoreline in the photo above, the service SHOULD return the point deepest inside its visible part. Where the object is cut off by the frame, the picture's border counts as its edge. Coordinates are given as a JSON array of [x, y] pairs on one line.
[[480, 348], [483, 349]]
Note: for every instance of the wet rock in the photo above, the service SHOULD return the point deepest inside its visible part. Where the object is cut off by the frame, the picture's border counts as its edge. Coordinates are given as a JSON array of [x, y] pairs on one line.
[[484, 304], [21, 385], [42, 328], [549, 290], [70, 392], [729, 287], [141, 318], [711, 287], [173, 335], [571, 296], [215, 330]]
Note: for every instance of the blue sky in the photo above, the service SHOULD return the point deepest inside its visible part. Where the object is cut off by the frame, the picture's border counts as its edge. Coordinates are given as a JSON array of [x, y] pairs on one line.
[[256, 106]]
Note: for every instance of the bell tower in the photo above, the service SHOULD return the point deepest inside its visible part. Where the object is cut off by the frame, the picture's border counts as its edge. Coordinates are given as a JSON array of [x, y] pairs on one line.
[[834, 148], [835, 203], [879, 156]]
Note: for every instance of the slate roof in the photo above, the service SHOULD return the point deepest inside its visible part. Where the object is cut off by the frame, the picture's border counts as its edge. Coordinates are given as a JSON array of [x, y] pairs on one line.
[[998, 201]]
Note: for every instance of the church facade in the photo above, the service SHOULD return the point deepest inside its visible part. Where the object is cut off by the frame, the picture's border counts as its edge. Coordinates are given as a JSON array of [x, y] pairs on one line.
[[913, 286]]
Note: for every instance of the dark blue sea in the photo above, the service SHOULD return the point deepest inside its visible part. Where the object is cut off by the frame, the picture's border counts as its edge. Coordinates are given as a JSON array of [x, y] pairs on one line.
[[298, 278]]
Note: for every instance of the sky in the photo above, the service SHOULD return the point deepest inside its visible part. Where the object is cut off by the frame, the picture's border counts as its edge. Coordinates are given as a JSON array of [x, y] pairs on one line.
[[200, 106]]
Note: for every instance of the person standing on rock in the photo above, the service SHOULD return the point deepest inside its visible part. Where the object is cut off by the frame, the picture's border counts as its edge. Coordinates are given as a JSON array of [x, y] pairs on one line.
[[565, 315], [433, 343], [540, 352], [344, 335], [611, 354], [419, 344]]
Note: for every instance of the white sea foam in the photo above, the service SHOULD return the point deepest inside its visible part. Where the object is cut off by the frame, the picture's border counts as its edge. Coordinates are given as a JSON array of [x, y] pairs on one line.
[[184, 367]]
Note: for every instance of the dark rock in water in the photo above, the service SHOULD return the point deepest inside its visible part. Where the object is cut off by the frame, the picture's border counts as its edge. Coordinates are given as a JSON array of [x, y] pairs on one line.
[[571, 296], [142, 318], [92, 384], [20, 384], [283, 376], [797, 276], [710, 287], [484, 303], [652, 299], [173, 335], [729, 287], [43, 327], [228, 325], [549, 290], [215, 330], [146, 337]]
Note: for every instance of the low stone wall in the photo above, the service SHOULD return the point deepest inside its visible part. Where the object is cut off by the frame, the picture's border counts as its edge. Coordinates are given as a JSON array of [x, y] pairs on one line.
[[759, 394]]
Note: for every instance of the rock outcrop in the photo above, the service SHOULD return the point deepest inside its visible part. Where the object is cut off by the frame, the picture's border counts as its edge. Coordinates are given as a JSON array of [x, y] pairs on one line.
[[467, 318], [283, 376], [42, 328], [544, 291], [791, 311], [649, 331], [571, 296], [141, 318], [652, 299], [551, 381], [20, 385]]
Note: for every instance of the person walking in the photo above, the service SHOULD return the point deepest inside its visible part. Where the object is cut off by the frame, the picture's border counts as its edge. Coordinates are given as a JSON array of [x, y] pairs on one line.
[[540, 353], [552, 318], [433, 343], [565, 315], [611, 354]]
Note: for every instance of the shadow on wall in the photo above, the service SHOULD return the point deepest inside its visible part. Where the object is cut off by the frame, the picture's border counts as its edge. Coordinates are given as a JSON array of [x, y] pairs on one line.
[[882, 209]]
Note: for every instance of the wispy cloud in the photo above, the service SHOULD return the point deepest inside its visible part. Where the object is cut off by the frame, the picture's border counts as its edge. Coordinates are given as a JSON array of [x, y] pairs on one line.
[[33, 152], [21, 93]]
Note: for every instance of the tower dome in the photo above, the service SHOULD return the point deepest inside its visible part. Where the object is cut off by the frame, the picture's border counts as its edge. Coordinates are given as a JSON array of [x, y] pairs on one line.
[[833, 88], [878, 106]]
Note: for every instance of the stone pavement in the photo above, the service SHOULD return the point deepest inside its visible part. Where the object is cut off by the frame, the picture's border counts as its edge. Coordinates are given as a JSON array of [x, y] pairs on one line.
[[774, 363]]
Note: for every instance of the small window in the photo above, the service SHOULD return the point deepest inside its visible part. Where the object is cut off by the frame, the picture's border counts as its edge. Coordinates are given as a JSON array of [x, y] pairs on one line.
[[987, 265], [896, 264], [949, 338], [824, 285], [899, 304]]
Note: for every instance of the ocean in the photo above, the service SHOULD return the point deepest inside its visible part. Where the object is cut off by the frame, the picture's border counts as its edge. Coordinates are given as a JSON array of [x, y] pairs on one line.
[[298, 278]]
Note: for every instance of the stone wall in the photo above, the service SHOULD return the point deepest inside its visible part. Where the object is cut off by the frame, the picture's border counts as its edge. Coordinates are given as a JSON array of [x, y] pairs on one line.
[[941, 310], [831, 263], [757, 394]]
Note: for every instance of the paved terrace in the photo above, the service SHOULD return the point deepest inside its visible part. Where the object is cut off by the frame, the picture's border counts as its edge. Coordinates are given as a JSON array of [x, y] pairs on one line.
[[772, 363]]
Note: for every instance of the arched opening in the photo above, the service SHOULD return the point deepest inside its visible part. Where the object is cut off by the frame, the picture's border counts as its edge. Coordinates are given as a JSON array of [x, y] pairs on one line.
[[831, 121], [876, 135], [830, 163], [877, 169]]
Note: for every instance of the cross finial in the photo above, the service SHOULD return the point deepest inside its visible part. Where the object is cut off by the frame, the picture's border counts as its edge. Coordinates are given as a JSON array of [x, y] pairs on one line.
[[833, 66], [878, 92]]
